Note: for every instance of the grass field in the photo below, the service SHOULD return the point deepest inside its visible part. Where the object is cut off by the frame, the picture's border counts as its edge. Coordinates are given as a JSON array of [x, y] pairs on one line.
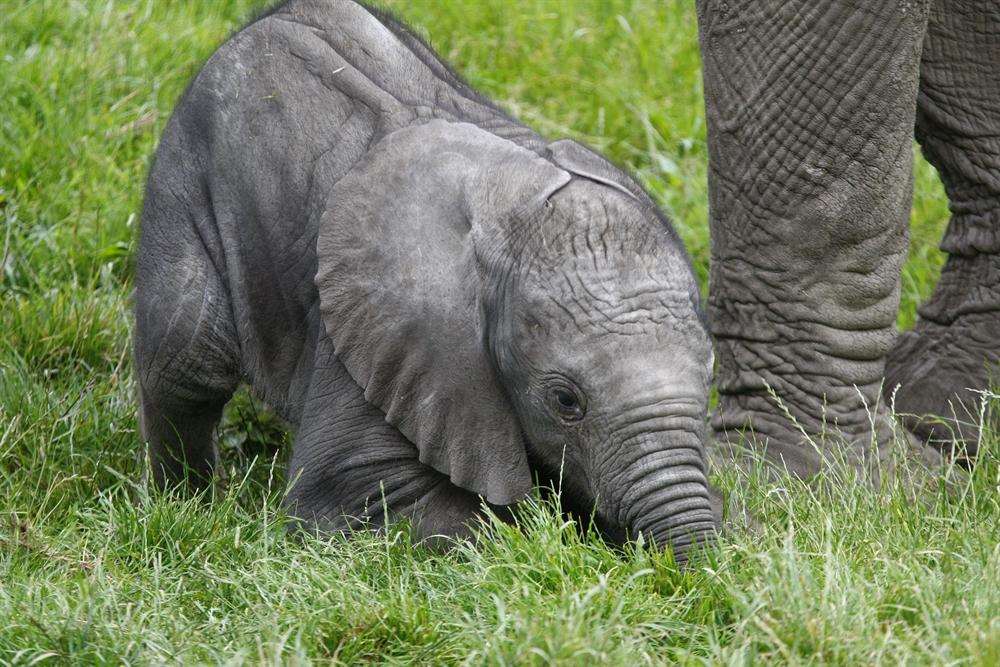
[[93, 570]]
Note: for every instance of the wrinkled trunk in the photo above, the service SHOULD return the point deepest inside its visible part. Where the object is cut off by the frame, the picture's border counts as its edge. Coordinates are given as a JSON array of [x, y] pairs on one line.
[[655, 481], [672, 510], [663, 494]]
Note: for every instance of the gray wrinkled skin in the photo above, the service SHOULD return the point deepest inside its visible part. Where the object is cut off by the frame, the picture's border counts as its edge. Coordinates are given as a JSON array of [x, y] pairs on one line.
[[440, 302], [811, 109]]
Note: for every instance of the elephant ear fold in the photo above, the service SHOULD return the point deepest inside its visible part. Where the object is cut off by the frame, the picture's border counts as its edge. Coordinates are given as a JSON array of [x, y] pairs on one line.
[[399, 291], [582, 161]]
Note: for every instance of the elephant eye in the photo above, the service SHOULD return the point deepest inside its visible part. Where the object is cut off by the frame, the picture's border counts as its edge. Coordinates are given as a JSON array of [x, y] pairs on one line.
[[567, 404]]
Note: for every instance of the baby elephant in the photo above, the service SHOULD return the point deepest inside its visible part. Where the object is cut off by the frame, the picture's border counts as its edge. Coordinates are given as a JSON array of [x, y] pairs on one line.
[[438, 301]]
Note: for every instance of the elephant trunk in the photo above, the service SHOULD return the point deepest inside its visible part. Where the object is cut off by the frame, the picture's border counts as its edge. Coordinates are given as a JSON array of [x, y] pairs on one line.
[[668, 502], [684, 534]]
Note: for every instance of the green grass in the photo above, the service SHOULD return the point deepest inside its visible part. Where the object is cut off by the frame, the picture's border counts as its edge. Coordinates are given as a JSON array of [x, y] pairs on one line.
[[92, 570]]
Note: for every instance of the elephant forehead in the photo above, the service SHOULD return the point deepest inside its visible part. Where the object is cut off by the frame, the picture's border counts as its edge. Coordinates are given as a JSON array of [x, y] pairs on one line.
[[610, 299], [594, 220], [602, 262]]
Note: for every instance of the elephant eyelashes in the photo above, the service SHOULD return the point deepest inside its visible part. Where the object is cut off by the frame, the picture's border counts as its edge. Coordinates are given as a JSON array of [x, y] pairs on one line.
[[567, 404]]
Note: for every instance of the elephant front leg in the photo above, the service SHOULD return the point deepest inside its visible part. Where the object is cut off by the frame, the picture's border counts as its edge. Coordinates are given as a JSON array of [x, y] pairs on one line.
[[939, 369], [810, 109], [351, 470]]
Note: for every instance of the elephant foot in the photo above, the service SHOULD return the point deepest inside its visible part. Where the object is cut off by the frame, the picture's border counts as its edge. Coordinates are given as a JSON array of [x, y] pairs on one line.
[[935, 378], [866, 440], [936, 373]]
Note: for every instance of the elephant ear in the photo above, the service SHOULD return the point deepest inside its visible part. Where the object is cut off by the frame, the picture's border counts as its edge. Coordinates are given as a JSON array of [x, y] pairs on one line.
[[582, 161], [400, 293]]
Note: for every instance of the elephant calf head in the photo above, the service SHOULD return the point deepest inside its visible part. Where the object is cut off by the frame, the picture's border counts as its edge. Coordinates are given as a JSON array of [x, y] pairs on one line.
[[511, 312]]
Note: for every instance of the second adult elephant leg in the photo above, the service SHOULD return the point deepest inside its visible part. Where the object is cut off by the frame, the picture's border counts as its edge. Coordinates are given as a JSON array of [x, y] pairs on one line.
[[810, 109], [954, 349]]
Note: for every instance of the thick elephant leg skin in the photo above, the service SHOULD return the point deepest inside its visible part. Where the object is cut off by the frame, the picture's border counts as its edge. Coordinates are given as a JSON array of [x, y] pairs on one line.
[[810, 109], [938, 370]]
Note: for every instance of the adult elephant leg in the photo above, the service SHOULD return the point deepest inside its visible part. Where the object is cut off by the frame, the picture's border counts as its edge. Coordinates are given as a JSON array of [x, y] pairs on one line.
[[810, 108], [951, 354]]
